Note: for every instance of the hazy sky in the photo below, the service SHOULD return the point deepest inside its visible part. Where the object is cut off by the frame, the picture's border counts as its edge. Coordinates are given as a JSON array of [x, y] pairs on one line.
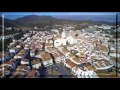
[[102, 16]]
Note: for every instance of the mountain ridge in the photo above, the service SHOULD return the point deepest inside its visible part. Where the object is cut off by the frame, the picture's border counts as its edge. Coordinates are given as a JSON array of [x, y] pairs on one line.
[[8, 22], [35, 20]]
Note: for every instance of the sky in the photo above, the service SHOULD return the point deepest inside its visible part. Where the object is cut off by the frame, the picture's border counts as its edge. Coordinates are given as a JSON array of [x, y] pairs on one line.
[[100, 16]]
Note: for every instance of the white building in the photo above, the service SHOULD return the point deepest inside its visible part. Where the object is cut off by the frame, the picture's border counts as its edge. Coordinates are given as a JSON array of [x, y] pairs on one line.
[[71, 40], [59, 41], [36, 64], [46, 59]]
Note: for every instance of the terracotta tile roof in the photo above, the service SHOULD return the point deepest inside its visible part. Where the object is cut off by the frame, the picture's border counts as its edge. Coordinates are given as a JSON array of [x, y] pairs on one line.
[[56, 55], [70, 63], [20, 74], [64, 50], [71, 55], [8, 62], [35, 62], [32, 73], [104, 48], [89, 67], [45, 56], [76, 59], [82, 54], [83, 60]]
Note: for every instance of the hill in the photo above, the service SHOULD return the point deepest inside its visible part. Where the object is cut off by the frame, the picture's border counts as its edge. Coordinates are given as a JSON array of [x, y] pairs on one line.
[[8, 23], [34, 20]]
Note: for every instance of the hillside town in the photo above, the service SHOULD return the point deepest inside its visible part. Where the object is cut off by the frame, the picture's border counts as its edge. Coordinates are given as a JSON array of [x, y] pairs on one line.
[[63, 52]]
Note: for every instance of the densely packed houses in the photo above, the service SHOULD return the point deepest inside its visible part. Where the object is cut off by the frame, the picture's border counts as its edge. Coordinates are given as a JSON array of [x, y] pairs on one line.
[[83, 52]]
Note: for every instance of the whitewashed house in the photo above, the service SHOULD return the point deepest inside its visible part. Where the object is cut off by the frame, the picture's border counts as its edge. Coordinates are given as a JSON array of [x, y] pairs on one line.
[[64, 51], [71, 40], [60, 41], [57, 42], [58, 58], [36, 64], [46, 59], [14, 50], [25, 62], [72, 66]]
